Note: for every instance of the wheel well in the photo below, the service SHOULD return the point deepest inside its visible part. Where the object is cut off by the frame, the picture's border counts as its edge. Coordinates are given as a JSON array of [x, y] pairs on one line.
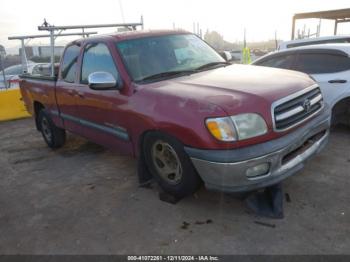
[[341, 112], [150, 131], [37, 108], [141, 141]]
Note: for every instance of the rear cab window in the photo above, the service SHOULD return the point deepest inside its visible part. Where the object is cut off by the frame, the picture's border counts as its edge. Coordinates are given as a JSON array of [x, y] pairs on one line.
[[69, 63]]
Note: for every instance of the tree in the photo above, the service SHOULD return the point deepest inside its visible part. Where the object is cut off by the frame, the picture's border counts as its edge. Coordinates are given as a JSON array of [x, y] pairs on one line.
[[217, 41]]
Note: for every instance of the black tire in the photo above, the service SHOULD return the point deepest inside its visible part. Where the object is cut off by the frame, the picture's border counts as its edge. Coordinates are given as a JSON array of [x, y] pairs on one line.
[[54, 136], [189, 181]]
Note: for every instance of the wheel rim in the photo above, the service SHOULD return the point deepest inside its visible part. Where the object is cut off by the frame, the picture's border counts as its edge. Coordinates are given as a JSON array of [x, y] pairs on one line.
[[166, 162], [45, 127]]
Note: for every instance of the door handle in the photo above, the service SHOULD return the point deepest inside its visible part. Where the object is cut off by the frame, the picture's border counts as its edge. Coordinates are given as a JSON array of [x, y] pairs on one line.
[[337, 81], [73, 92]]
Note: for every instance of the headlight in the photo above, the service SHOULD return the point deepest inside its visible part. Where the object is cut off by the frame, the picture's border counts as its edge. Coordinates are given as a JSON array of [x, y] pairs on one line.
[[249, 125], [237, 127], [222, 128]]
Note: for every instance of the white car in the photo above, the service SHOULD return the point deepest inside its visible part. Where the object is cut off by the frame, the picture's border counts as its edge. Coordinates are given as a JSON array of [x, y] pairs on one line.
[[12, 74], [327, 64], [314, 41]]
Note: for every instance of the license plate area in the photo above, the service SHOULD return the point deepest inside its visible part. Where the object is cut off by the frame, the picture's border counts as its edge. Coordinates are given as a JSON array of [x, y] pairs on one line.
[[304, 147]]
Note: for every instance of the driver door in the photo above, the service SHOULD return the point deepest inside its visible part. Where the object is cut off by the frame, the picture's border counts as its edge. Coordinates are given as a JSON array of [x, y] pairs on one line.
[[103, 113]]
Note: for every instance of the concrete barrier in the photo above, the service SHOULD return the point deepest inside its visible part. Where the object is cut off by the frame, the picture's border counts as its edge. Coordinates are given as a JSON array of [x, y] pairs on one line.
[[11, 105]]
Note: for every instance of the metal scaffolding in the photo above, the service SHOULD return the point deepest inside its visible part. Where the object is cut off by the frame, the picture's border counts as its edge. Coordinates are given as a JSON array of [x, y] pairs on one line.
[[338, 16]]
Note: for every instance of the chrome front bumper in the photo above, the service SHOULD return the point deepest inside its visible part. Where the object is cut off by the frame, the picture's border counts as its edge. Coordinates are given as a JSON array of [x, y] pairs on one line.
[[229, 175]]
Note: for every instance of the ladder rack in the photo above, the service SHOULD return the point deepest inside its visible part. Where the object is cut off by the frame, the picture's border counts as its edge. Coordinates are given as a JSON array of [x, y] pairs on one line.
[[29, 37], [52, 29]]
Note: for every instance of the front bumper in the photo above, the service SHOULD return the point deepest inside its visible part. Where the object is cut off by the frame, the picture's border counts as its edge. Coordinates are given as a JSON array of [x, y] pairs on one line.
[[225, 170]]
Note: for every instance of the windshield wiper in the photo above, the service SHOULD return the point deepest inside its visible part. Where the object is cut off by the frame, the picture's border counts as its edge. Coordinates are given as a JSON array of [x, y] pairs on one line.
[[167, 74], [212, 64]]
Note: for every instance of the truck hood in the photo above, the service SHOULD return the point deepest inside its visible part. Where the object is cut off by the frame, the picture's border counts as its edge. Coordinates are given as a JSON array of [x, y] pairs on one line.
[[237, 88]]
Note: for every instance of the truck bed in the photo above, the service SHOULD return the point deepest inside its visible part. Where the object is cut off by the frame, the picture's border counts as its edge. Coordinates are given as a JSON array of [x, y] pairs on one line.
[[38, 89]]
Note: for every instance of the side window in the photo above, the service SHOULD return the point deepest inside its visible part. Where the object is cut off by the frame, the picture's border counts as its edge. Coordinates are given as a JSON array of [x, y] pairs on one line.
[[284, 62], [69, 63], [322, 63], [97, 58]]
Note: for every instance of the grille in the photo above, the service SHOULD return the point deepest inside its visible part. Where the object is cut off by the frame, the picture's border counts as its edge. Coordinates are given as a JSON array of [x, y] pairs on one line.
[[295, 109]]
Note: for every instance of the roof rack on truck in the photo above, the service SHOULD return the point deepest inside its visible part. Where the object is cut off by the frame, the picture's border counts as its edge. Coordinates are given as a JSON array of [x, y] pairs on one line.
[[30, 37], [52, 29], [52, 35]]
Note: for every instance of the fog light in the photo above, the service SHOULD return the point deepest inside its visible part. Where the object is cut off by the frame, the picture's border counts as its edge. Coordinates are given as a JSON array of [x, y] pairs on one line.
[[258, 170]]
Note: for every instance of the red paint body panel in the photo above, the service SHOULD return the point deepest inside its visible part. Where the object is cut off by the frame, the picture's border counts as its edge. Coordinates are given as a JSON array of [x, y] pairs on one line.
[[178, 106]]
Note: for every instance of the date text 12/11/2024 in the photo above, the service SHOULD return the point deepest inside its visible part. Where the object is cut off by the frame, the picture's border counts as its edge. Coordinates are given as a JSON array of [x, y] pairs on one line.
[[173, 258]]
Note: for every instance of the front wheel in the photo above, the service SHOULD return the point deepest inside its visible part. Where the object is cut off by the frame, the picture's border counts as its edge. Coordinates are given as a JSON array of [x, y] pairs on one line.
[[170, 165], [54, 136]]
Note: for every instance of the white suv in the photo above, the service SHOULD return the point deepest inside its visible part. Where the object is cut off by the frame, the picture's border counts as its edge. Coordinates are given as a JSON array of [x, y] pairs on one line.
[[328, 64]]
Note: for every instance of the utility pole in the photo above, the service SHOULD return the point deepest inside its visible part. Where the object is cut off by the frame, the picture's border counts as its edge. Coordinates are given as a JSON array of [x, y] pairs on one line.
[[3, 54], [276, 42], [245, 40], [3, 71], [319, 28]]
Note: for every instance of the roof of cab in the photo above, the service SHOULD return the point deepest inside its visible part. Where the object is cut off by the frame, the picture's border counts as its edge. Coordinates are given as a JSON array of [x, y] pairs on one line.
[[145, 33], [128, 35]]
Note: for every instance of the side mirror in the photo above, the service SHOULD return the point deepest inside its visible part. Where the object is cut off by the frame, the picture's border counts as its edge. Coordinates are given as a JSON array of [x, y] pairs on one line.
[[102, 81], [226, 55]]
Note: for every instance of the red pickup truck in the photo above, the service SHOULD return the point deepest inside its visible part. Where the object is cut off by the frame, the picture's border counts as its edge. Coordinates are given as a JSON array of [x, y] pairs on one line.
[[168, 97]]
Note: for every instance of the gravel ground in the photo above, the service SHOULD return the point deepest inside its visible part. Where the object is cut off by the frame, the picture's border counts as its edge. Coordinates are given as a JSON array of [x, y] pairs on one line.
[[84, 199]]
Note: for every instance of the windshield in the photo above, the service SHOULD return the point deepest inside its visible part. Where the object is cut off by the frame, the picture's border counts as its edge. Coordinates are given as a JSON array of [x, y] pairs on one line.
[[151, 56]]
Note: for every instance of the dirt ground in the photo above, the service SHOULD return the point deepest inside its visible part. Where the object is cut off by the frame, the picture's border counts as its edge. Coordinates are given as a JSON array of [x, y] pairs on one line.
[[83, 199]]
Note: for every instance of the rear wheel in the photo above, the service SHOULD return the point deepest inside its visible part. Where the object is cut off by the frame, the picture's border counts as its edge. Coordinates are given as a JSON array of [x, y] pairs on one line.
[[170, 165], [54, 136]]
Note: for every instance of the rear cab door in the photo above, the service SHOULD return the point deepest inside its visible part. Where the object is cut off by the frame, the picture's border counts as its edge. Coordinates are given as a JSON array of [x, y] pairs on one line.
[[67, 90]]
